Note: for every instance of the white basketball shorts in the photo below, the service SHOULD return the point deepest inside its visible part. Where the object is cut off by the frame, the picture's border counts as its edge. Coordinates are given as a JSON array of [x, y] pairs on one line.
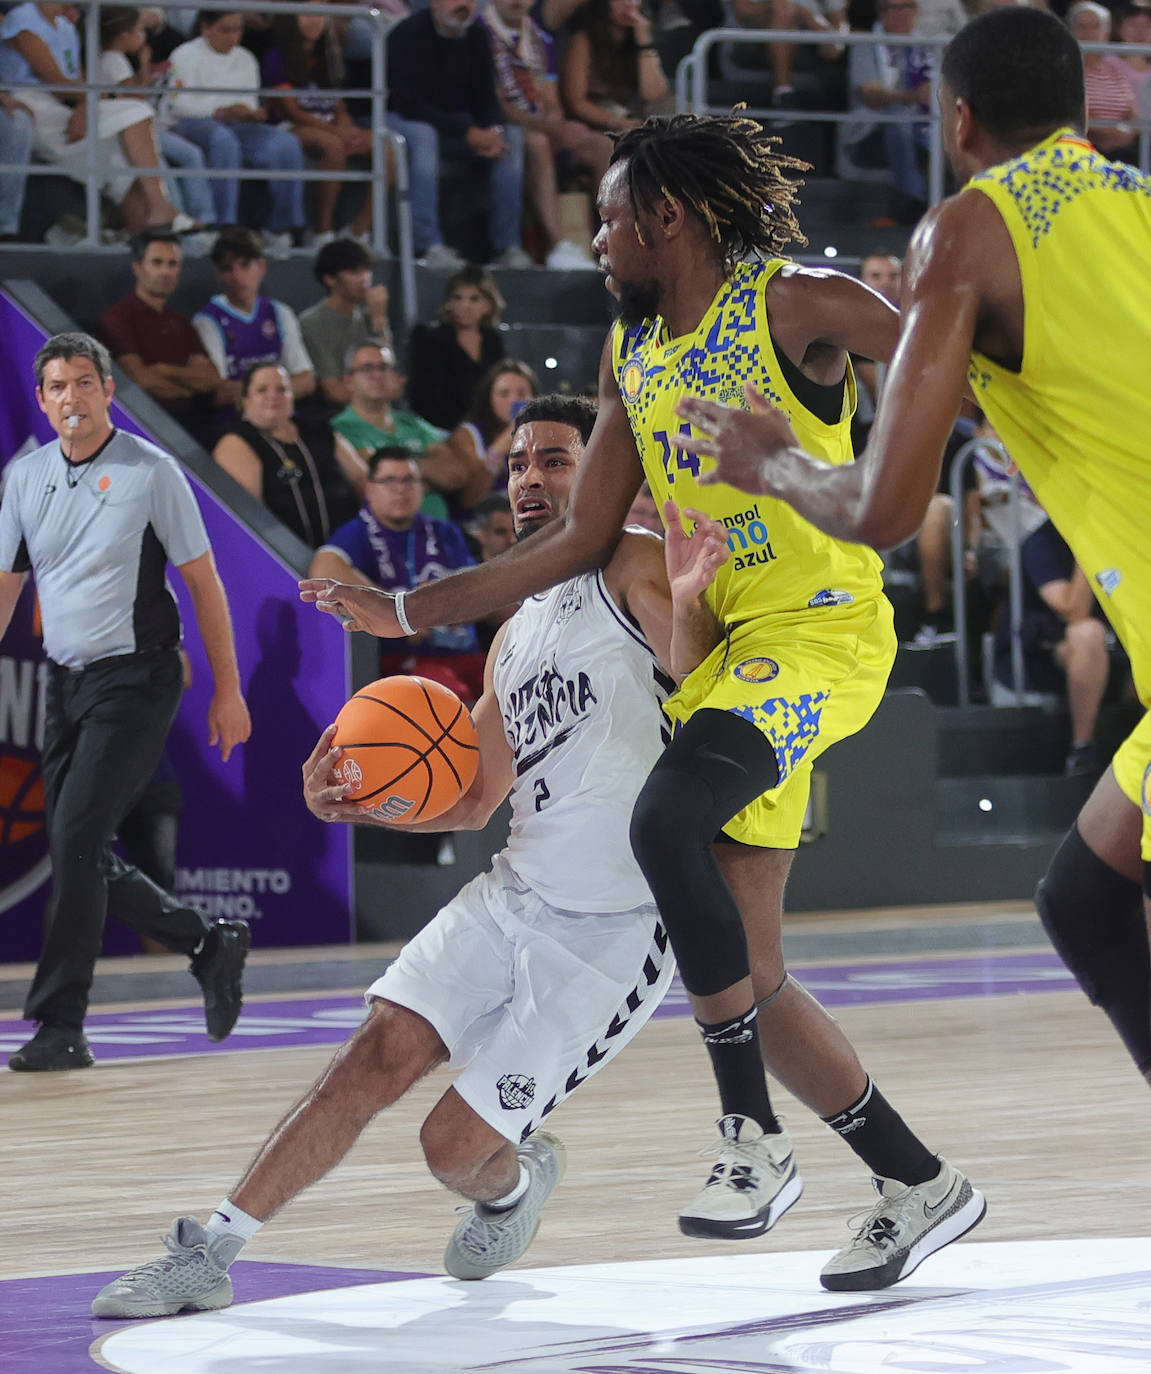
[[529, 1000]]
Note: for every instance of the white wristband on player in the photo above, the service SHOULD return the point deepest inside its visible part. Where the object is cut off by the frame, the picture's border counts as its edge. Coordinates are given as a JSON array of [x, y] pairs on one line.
[[398, 605]]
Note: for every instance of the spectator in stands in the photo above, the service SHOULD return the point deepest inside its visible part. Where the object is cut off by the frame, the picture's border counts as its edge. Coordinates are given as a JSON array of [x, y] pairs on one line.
[[611, 76], [303, 59], [883, 272], [41, 49], [644, 512], [448, 360], [819, 16], [442, 98], [389, 544], [157, 347], [370, 420], [1064, 638], [126, 60], [480, 444], [353, 311], [17, 133], [308, 476], [240, 327], [232, 130], [1135, 27], [494, 526], [494, 532], [889, 79], [526, 86], [1107, 82]]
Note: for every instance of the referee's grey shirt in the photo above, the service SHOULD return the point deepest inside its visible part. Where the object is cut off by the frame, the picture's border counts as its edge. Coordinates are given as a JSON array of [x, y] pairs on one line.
[[97, 537]]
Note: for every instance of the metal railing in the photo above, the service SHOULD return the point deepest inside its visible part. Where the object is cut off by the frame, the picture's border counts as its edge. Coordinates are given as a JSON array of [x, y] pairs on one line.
[[376, 174], [1014, 570], [692, 79]]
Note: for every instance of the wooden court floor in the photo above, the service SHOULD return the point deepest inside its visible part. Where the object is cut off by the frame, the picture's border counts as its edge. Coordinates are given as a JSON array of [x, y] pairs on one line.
[[1031, 1094]]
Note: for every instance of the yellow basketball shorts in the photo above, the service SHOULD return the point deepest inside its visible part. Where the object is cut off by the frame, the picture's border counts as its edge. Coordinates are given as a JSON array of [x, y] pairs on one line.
[[1132, 768], [805, 679]]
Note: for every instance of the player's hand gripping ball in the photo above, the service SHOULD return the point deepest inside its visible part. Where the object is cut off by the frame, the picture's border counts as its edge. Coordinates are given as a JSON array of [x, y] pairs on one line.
[[410, 749]]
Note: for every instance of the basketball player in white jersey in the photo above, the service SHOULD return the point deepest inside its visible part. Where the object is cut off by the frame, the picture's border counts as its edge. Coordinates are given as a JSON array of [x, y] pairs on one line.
[[542, 969]]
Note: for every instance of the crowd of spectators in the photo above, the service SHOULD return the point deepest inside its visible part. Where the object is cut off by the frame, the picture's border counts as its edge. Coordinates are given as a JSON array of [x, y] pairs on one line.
[[512, 100]]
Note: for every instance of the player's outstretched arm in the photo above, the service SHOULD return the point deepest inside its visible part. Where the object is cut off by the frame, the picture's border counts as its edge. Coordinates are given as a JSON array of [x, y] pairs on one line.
[[881, 499], [327, 796], [607, 480], [663, 585]]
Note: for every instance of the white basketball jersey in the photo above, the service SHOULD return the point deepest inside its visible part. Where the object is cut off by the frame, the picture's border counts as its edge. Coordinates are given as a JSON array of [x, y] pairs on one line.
[[580, 693]]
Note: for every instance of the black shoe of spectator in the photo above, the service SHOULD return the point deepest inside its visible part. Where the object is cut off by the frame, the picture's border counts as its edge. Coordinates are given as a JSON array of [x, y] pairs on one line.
[[219, 969], [53, 1048], [1083, 762]]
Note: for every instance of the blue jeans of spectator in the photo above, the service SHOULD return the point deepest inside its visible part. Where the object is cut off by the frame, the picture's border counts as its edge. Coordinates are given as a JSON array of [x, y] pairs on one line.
[[897, 146], [15, 146], [505, 184], [231, 146], [193, 194]]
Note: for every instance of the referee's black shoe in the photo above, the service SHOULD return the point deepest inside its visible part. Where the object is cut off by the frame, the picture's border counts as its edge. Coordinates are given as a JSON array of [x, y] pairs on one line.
[[53, 1048], [219, 969]]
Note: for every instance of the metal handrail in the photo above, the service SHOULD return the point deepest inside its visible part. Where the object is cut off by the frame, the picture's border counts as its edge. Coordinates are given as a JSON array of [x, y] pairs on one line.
[[1014, 571], [376, 175], [691, 82]]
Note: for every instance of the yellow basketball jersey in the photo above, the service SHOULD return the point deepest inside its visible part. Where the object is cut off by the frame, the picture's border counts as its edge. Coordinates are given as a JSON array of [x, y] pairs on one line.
[[779, 561], [1077, 416]]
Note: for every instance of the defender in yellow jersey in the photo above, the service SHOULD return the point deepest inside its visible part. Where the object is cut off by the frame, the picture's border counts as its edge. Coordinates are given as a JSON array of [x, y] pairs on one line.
[[1032, 282], [809, 642], [696, 212]]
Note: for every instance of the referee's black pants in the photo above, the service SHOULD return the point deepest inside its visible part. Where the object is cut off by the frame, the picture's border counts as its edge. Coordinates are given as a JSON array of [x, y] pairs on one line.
[[104, 732]]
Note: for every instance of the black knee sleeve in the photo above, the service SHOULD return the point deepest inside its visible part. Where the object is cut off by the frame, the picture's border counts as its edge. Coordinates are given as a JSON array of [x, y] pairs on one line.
[[713, 768], [1094, 918]]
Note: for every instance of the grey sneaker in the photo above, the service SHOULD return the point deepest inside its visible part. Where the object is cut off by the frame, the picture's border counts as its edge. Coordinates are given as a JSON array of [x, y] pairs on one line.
[[192, 1277], [905, 1226], [486, 1241], [753, 1182]]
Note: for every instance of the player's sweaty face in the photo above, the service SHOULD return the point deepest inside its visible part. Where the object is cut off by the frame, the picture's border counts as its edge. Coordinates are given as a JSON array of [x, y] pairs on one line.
[[542, 463], [623, 257]]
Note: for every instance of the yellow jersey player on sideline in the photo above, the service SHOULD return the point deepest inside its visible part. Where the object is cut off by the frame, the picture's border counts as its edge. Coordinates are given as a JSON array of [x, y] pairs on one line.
[[1032, 283], [696, 212]]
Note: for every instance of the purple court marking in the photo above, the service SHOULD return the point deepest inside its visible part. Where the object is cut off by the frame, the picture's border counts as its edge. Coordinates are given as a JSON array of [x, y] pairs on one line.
[[317, 1021], [46, 1326]]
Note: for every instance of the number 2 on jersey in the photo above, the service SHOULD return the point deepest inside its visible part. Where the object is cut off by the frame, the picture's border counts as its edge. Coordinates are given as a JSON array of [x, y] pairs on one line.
[[542, 793], [673, 454]]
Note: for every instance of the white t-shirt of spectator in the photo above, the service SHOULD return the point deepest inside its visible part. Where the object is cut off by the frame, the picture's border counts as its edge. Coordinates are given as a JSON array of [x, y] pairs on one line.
[[196, 67]]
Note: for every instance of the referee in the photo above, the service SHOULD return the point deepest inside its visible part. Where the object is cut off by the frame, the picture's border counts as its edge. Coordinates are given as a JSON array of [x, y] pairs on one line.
[[96, 516]]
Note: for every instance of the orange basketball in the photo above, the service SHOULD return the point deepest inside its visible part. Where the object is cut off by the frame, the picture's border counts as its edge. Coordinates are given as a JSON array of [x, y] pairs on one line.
[[410, 749]]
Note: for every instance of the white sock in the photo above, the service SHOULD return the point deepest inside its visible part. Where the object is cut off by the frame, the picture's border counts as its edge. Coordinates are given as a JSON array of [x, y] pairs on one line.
[[509, 1200], [232, 1222]]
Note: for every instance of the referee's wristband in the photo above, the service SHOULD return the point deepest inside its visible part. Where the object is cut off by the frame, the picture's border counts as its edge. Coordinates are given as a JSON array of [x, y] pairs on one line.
[[401, 615]]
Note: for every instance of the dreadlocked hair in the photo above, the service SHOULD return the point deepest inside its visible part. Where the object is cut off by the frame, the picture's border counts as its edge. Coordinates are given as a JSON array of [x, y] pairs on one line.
[[726, 169]]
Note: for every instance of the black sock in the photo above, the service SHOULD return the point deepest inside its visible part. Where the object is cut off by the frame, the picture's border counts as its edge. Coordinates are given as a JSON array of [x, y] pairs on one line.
[[738, 1067], [883, 1140]]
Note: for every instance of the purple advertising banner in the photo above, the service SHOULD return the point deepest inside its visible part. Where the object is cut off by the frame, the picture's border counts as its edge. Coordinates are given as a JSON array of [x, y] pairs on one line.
[[248, 846]]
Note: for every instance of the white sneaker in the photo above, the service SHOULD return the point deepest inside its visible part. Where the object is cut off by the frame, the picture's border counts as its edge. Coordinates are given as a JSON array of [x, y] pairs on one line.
[[753, 1182], [276, 245], [486, 1241], [905, 1226], [442, 258], [198, 245], [513, 257], [569, 257], [318, 241], [192, 1277]]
